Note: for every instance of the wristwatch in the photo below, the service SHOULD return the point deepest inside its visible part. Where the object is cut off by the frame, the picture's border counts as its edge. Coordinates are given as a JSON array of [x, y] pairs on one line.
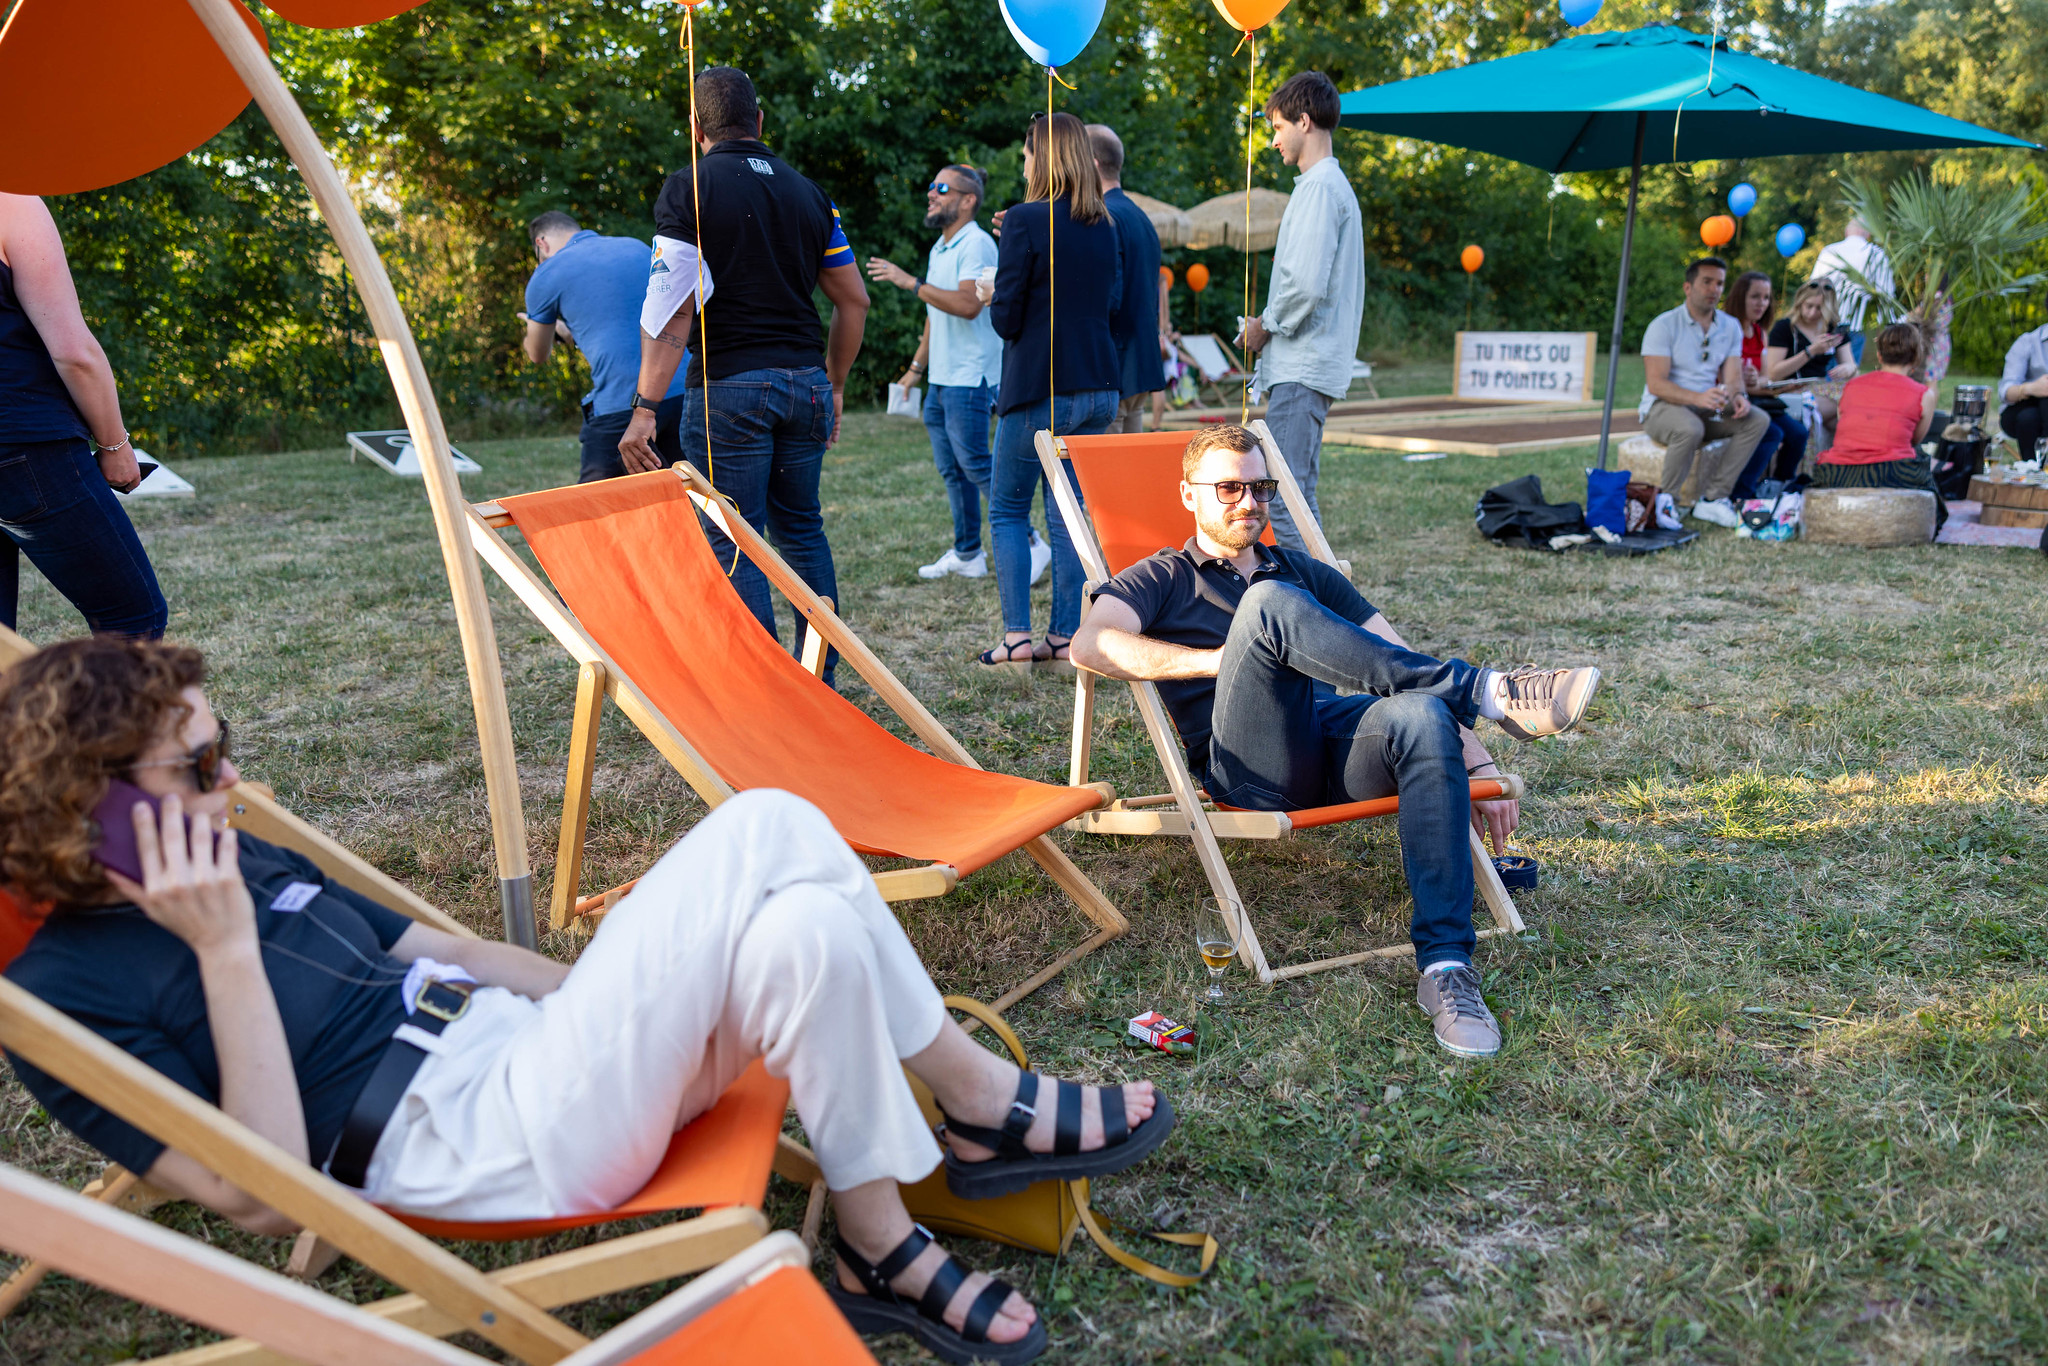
[[652, 405], [918, 284]]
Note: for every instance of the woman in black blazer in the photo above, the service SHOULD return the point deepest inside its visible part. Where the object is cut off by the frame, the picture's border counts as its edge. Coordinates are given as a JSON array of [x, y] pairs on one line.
[[1071, 386]]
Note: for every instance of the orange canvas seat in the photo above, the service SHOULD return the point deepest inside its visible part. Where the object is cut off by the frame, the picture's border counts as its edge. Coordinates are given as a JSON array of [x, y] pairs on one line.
[[1127, 506], [635, 594], [785, 1317]]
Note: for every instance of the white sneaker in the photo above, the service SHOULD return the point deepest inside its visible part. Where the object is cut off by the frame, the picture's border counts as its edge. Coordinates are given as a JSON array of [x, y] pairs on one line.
[[1041, 556], [1719, 511], [951, 563]]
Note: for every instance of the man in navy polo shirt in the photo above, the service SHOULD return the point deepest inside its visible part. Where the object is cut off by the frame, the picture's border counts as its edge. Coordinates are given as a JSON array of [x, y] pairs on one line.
[[767, 237], [587, 292]]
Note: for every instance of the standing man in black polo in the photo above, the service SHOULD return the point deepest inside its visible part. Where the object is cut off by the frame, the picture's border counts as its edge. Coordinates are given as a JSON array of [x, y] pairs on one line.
[[767, 238], [1135, 329]]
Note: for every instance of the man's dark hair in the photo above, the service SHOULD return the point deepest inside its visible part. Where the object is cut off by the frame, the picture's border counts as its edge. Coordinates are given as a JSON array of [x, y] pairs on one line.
[[1306, 92], [1220, 438], [971, 180], [1108, 148], [1692, 272], [554, 220], [727, 107]]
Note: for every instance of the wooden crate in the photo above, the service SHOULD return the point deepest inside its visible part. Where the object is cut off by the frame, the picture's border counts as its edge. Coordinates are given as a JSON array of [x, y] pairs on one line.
[[1994, 515], [1993, 491]]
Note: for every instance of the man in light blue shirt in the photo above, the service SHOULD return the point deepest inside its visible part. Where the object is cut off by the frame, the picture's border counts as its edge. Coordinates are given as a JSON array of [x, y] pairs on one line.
[[1307, 338], [587, 291], [960, 361], [1693, 393]]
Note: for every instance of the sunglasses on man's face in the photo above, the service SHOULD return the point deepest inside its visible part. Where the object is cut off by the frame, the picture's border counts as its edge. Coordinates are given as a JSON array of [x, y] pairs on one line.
[[205, 761], [939, 187], [1230, 492]]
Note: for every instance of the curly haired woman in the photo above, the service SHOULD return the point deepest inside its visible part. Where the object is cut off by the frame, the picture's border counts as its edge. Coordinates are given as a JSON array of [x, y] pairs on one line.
[[236, 969]]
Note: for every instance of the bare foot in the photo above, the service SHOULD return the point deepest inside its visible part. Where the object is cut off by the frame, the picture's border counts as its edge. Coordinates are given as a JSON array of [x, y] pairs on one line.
[[1010, 1323]]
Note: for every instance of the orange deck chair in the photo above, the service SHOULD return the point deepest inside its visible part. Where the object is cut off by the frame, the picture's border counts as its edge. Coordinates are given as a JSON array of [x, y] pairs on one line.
[[1131, 487], [647, 610], [718, 1164], [762, 1305]]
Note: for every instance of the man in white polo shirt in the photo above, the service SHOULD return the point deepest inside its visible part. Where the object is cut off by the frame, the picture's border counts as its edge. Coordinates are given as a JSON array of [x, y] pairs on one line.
[[1693, 392], [959, 360]]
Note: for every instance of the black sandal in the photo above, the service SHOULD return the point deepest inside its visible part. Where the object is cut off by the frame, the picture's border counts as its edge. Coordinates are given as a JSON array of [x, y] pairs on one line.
[[1052, 658], [1014, 1166], [1006, 658], [882, 1310]]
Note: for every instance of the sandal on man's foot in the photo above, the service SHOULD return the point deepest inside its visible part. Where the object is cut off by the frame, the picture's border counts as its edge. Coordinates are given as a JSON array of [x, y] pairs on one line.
[[1006, 659], [1048, 655], [1014, 1166], [882, 1310]]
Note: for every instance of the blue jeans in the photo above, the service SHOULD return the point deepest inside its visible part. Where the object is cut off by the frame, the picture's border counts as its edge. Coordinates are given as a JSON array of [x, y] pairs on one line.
[[1295, 414], [57, 509], [768, 435], [600, 435], [1017, 479], [1282, 739], [956, 417]]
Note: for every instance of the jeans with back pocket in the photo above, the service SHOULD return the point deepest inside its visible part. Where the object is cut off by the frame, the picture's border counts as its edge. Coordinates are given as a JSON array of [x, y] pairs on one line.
[[56, 508]]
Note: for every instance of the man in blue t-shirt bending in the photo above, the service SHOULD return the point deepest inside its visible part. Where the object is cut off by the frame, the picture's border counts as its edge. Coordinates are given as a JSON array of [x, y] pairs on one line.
[[587, 292]]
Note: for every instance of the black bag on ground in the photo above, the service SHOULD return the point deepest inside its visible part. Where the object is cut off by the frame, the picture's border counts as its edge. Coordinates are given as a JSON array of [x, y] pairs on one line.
[[1515, 514]]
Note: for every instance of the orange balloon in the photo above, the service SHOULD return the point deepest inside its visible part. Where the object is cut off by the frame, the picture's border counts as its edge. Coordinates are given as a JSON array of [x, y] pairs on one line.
[[1166, 277], [1246, 15], [1198, 277], [1472, 258], [1718, 231]]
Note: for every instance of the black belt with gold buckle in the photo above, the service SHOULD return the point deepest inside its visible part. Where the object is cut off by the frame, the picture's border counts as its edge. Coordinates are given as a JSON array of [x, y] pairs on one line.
[[440, 1005]]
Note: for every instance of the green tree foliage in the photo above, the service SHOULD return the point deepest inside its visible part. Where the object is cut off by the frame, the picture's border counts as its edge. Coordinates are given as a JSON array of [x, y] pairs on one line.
[[227, 314]]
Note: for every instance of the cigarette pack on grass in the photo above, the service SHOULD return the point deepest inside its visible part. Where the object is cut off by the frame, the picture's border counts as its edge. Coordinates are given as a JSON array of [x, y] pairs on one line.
[[1156, 1031]]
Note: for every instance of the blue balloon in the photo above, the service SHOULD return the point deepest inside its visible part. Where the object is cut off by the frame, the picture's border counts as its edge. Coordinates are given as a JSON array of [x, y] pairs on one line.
[[1052, 32], [1579, 13], [1742, 199], [1791, 238]]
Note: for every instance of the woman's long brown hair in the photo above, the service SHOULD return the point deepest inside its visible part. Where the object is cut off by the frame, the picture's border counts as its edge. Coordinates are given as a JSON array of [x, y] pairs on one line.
[[1063, 167], [71, 717], [1735, 303]]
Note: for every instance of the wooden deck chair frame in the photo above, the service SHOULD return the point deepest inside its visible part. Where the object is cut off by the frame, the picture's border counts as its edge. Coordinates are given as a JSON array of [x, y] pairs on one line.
[[145, 1262], [1235, 376], [600, 678], [1189, 815]]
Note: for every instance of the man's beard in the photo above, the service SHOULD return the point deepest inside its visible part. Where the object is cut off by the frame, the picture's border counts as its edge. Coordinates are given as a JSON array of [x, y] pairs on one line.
[[1231, 532], [941, 217]]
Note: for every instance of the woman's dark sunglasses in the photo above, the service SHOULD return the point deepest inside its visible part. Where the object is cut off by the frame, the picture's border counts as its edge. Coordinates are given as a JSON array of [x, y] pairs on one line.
[[1230, 492], [204, 761]]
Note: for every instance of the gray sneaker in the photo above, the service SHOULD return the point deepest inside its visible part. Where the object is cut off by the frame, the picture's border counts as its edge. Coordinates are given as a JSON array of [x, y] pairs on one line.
[[1546, 701], [1450, 997]]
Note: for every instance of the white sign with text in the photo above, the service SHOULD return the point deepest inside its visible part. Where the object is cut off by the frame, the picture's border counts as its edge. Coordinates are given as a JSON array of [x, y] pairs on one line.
[[1525, 367]]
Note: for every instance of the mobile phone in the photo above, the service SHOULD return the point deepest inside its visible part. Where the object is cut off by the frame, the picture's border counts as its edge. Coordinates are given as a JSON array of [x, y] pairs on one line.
[[114, 817], [145, 468]]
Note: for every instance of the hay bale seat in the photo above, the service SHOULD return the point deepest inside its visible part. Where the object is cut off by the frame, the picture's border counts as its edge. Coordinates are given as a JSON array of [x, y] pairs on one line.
[[1872, 518], [1644, 460]]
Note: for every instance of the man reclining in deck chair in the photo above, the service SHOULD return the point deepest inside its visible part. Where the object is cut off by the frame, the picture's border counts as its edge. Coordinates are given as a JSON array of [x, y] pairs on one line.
[[1249, 644], [234, 968]]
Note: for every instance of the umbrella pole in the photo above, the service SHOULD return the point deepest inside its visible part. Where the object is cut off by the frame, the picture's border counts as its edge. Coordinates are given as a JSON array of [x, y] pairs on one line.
[[1628, 241]]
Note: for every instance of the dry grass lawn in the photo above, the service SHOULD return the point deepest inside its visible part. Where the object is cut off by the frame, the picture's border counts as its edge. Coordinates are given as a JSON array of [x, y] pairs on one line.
[[1774, 1082]]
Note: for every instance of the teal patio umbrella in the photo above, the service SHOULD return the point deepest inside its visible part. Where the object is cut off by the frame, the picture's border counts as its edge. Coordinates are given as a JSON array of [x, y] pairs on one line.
[[1601, 101]]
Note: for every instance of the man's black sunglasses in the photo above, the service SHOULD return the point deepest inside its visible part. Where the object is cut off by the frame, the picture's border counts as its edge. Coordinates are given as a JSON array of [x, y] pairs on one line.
[[204, 761], [1230, 492]]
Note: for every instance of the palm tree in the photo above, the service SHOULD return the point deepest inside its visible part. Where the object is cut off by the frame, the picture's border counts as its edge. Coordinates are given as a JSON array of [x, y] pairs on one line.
[[1958, 240]]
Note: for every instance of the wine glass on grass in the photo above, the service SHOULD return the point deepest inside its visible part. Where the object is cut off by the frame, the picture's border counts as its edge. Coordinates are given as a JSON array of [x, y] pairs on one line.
[[1216, 938]]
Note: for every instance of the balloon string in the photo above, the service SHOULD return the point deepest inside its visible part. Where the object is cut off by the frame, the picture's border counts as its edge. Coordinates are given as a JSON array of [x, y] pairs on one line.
[[1052, 400], [1251, 129], [1713, 47], [689, 45], [1061, 79]]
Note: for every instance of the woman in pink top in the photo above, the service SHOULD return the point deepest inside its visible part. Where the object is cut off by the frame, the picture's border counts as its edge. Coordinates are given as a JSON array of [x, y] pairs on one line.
[[1883, 415]]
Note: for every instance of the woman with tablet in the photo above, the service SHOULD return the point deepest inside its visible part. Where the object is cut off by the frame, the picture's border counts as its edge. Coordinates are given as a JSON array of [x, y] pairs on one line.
[[1807, 344]]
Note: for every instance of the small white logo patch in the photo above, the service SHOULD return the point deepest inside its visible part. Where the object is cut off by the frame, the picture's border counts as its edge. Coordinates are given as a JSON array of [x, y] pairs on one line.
[[295, 897], [760, 167]]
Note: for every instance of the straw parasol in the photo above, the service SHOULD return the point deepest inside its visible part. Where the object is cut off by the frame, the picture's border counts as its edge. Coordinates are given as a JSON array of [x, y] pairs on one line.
[[1220, 222], [1170, 223]]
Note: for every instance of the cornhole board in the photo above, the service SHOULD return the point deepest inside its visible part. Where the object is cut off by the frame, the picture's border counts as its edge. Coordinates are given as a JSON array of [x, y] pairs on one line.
[[394, 454], [1496, 433], [161, 482]]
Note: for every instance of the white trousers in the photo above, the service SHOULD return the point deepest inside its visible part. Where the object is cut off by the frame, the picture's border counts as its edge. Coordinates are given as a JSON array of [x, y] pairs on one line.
[[759, 935]]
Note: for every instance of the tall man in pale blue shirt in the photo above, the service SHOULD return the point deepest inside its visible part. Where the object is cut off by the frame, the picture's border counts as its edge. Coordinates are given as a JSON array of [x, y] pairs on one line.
[[1307, 338], [587, 291], [959, 360]]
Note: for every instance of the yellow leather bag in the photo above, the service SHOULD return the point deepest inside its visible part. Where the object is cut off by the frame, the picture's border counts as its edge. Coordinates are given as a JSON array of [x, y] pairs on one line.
[[1044, 1217]]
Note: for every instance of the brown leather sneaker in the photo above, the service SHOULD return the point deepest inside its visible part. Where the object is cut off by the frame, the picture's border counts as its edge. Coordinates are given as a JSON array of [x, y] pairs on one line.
[[1545, 701]]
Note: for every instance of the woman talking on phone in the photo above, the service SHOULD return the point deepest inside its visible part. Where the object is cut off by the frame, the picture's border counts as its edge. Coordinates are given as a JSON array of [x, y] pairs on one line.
[[63, 446], [237, 970]]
